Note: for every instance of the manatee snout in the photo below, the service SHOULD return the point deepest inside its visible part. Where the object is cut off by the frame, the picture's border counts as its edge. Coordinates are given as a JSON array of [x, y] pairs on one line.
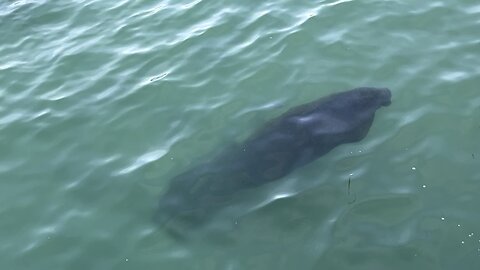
[[386, 96]]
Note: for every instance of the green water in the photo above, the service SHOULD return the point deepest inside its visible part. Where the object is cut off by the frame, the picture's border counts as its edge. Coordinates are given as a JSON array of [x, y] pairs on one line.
[[102, 102]]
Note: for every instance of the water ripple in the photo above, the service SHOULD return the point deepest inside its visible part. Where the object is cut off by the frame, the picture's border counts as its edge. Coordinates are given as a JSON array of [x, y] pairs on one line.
[[143, 160], [102, 102]]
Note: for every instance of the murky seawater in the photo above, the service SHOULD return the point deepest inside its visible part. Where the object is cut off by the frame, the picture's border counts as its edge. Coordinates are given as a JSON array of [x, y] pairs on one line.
[[103, 102]]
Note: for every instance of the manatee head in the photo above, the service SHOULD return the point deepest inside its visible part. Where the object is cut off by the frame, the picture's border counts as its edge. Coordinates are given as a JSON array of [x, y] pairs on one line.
[[347, 116], [356, 104], [371, 96]]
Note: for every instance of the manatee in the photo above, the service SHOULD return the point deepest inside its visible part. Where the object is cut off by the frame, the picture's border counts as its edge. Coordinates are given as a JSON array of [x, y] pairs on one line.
[[295, 138]]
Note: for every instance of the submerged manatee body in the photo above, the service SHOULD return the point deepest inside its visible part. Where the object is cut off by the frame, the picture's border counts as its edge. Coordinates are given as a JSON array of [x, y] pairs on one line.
[[293, 139]]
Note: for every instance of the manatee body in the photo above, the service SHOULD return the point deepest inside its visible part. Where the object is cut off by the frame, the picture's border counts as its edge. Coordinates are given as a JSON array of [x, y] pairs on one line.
[[293, 139]]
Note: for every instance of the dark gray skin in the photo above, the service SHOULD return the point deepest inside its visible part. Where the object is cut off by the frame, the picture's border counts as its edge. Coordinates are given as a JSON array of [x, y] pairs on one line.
[[293, 139]]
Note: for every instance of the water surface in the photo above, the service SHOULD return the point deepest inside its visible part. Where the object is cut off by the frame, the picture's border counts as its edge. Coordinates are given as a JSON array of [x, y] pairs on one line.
[[102, 102]]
